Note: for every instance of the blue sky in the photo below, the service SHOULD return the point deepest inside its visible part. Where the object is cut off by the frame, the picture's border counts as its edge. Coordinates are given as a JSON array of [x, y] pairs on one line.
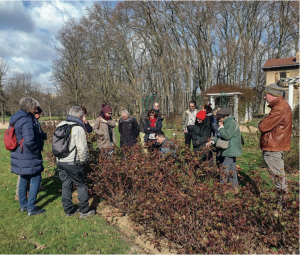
[[28, 32]]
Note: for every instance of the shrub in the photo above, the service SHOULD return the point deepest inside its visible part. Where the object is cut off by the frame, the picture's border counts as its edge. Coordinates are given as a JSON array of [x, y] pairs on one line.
[[180, 198]]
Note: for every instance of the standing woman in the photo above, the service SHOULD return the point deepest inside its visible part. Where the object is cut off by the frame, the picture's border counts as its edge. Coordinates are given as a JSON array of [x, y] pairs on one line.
[[104, 127], [26, 159], [209, 114], [200, 132], [230, 131], [87, 126], [153, 124]]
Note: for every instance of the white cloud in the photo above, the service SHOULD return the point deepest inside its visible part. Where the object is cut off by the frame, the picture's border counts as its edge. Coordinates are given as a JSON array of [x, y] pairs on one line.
[[52, 15]]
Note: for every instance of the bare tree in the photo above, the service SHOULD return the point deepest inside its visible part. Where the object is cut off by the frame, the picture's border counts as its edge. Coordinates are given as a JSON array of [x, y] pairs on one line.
[[4, 68]]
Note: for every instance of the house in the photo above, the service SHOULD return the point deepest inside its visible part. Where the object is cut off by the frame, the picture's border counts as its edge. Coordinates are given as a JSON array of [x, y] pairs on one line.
[[285, 70]]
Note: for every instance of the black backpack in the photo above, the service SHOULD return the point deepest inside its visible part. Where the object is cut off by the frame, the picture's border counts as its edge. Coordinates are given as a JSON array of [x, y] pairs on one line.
[[61, 141]]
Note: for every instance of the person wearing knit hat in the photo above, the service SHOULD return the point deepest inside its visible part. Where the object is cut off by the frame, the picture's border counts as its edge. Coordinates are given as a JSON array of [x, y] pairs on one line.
[[274, 90], [200, 133], [104, 127], [201, 115], [276, 131], [229, 131]]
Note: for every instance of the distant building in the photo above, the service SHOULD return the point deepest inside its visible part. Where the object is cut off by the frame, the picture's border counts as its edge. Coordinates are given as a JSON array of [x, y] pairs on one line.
[[286, 70]]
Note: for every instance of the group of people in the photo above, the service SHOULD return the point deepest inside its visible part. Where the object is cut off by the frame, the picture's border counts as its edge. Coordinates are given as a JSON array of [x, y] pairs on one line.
[[204, 128]]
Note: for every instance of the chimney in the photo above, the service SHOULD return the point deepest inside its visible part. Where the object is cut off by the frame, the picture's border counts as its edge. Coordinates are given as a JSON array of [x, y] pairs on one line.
[[298, 57]]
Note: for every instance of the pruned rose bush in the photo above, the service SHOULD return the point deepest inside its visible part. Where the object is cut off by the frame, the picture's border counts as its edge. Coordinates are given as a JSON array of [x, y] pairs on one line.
[[180, 198]]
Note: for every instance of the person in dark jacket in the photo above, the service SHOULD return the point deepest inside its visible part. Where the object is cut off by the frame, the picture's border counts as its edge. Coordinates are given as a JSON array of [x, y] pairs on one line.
[[87, 126], [209, 114], [26, 160], [200, 132], [155, 107], [163, 143], [128, 129], [153, 124]]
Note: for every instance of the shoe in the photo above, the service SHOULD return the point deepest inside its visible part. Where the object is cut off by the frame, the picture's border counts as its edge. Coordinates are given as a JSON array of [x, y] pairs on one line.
[[23, 209], [35, 212], [73, 213], [16, 197], [42, 187], [89, 213]]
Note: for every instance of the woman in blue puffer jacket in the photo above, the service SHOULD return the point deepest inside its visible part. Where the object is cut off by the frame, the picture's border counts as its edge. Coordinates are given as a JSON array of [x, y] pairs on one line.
[[26, 160]]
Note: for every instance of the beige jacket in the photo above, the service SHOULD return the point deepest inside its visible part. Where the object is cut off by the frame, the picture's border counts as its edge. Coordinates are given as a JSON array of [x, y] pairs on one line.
[[103, 140], [185, 118], [78, 139]]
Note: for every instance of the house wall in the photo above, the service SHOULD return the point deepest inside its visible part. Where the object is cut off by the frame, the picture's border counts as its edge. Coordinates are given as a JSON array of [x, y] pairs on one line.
[[271, 78]]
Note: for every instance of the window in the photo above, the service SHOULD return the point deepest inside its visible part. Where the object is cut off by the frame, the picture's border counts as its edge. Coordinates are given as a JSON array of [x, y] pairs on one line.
[[282, 75]]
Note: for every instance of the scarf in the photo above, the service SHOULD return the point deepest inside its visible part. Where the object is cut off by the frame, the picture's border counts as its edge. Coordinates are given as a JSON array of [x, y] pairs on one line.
[[104, 116], [152, 122], [75, 119]]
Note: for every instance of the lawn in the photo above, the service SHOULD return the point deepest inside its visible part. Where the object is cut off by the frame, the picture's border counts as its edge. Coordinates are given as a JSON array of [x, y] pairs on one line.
[[50, 232]]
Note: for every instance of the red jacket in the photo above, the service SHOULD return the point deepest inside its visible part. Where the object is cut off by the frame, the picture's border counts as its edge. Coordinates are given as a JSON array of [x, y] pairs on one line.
[[276, 128]]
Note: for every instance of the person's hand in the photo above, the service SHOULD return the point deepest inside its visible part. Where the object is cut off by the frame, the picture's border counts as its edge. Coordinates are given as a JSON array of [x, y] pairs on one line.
[[84, 119], [207, 145], [184, 131], [148, 128], [221, 124]]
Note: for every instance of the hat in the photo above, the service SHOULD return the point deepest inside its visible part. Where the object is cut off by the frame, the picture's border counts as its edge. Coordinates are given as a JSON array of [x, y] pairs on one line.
[[106, 108], [274, 90], [222, 113], [201, 115]]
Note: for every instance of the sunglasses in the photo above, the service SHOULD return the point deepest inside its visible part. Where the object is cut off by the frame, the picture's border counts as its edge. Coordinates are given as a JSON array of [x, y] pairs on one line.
[[109, 113]]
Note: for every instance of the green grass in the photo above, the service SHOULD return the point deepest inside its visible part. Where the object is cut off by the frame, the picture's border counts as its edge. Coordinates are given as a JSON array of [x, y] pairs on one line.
[[58, 233]]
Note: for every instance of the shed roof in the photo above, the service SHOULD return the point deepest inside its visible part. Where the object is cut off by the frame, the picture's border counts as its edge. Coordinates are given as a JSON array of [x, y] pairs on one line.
[[228, 94], [280, 62]]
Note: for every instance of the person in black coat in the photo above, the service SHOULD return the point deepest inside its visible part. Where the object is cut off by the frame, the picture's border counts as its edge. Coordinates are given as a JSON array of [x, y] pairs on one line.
[[153, 124], [201, 132], [143, 117], [87, 126], [128, 129]]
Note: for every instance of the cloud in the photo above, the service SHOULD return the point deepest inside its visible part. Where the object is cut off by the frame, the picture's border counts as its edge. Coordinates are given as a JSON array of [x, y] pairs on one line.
[[28, 34], [14, 16], [52, 15]]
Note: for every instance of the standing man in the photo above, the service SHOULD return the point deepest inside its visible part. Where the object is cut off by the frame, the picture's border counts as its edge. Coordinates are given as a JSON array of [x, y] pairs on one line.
[[128, 129], [188, 119], [155, 107], [71, 168], [276, 131]]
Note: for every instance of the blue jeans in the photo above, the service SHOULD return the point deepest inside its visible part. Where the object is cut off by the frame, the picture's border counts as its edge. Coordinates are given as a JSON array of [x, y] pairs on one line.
[[34, 180]]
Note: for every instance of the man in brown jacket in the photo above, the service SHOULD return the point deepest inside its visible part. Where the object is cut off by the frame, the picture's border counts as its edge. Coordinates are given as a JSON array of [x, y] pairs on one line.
[[276, 131]]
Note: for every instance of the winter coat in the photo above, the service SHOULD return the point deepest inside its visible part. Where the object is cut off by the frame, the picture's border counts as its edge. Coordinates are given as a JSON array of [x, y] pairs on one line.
[[88, 127], [276, 128], [211, 119], [185, 118], [230, 132], [43, 136], [143, 118], [30, 161], [157, 128], [103, 140], [129, 131], [78, 139], [200, 133]]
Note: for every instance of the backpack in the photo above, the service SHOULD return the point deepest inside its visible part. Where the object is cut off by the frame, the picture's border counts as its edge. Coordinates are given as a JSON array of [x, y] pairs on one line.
[[10, 139], [61, 141]]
